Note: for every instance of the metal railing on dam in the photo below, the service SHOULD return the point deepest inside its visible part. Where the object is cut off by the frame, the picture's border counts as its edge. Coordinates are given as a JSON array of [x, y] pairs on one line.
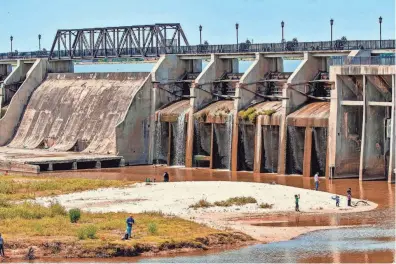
[[148, 52], [371, 60]]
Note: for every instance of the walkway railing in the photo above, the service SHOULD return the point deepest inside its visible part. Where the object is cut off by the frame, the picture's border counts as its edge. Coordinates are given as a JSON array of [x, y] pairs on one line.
[[373, 60], [205, 49]]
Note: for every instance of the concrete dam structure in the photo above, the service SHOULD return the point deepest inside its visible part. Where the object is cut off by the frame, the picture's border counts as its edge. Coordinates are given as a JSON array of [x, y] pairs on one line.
[[331, 115]]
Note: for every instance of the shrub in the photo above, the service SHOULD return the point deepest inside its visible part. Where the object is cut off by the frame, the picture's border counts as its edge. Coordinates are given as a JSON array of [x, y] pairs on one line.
[[266, 206], [245, 114], [253, 117], [236, 201], [4, 202], [57, 209], [152, 228], [87, 232], [74, 215], [201, 204]]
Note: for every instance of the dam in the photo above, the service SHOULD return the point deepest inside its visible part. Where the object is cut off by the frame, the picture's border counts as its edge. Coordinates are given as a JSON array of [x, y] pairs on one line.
[[333, 115]]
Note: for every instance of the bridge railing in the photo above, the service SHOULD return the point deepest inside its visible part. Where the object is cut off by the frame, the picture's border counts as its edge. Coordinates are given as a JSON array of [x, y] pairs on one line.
[[372, 60], [205, 49]]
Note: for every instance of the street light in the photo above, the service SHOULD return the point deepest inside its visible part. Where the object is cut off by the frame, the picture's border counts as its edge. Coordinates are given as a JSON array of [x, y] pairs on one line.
[[200, 34], [236, 27], [380, 22], [39, 38], [283, 25], [11, 39], [331, 32]]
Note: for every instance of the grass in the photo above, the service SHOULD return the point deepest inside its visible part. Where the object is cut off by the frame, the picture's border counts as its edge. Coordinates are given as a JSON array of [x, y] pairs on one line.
[[266, 206], [93, 231], [18, 187], [251, 114], [201, 204], [238, 201]]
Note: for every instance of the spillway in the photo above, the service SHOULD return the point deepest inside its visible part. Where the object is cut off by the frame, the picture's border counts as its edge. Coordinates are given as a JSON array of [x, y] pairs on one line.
[[73, 118]]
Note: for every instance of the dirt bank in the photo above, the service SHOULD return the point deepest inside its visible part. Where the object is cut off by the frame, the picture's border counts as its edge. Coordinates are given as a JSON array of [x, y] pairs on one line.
[[67, 247]]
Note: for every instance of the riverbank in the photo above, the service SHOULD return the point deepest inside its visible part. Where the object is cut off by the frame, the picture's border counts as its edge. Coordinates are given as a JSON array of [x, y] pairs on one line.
[[31, 230], [178, 198]]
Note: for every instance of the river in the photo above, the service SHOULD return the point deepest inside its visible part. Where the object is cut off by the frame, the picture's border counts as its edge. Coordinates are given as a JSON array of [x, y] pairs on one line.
[[370, 236]]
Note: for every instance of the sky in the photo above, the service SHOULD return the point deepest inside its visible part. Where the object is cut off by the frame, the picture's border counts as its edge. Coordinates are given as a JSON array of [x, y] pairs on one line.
[[307, 20]]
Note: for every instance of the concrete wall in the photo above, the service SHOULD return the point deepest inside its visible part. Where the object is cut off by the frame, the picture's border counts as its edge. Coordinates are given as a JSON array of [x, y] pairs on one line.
[[305, 72], [134, 134], [60, 66], [336, 113], [33, 75], [200, 98], [245, 94], [167, 70], [10, 121], [392, 165]]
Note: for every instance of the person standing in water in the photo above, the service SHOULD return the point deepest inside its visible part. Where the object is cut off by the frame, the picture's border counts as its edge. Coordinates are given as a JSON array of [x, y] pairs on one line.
[[297, 198], [316, 179]]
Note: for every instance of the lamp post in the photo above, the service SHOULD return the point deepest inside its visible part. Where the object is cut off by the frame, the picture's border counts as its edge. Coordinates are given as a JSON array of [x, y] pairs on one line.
[[39, 39], [200, 34], [237, 27], [380, 22], [331, 32], [11, 39], [283, 25]]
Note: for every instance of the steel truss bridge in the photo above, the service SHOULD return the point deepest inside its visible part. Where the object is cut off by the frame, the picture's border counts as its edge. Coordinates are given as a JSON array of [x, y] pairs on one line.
[[150, 41]]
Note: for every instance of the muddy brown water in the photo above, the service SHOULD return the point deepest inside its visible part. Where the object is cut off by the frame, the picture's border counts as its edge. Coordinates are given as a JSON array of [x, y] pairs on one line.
[[376, 227]]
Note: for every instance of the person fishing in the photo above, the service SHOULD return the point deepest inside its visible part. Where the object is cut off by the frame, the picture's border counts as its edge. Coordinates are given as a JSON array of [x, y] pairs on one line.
[[316, 179], [166, 177], [297, 198], [129, 222]]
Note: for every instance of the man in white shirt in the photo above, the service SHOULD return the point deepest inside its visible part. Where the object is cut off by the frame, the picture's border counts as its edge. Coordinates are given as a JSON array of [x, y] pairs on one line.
[[316, 179]]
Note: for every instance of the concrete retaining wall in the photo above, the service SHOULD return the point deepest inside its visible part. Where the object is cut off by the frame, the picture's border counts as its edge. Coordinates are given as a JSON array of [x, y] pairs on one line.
[[134, 135], [10, 121]]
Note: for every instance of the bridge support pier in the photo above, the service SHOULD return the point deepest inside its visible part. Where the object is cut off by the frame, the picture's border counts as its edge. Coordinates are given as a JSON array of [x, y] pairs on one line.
[[304, 73]]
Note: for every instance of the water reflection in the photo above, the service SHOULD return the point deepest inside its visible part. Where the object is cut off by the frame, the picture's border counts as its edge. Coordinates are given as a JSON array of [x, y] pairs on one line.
[[340, 245]]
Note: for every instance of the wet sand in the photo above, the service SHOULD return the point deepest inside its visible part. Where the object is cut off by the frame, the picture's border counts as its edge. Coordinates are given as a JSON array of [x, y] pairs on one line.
[[379, 192]]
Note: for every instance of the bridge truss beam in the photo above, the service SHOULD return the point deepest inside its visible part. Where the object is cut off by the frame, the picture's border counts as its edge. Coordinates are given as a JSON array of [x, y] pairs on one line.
[[129, 41]]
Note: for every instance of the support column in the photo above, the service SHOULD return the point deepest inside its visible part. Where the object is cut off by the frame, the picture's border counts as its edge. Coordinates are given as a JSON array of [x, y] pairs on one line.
[[245, 94], [50, 167], [201, 96], [392, 156], [74, 166], [211, 146], [305, 72], [98, 165], [164, 74], [258, 149], [307, 152], [362, 147], [169, 143]]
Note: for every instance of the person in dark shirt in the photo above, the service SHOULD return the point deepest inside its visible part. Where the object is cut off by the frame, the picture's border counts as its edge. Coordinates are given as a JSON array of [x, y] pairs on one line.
[[129, 222], [297, 198], [166, 177], [1, 246], [349, 196]]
